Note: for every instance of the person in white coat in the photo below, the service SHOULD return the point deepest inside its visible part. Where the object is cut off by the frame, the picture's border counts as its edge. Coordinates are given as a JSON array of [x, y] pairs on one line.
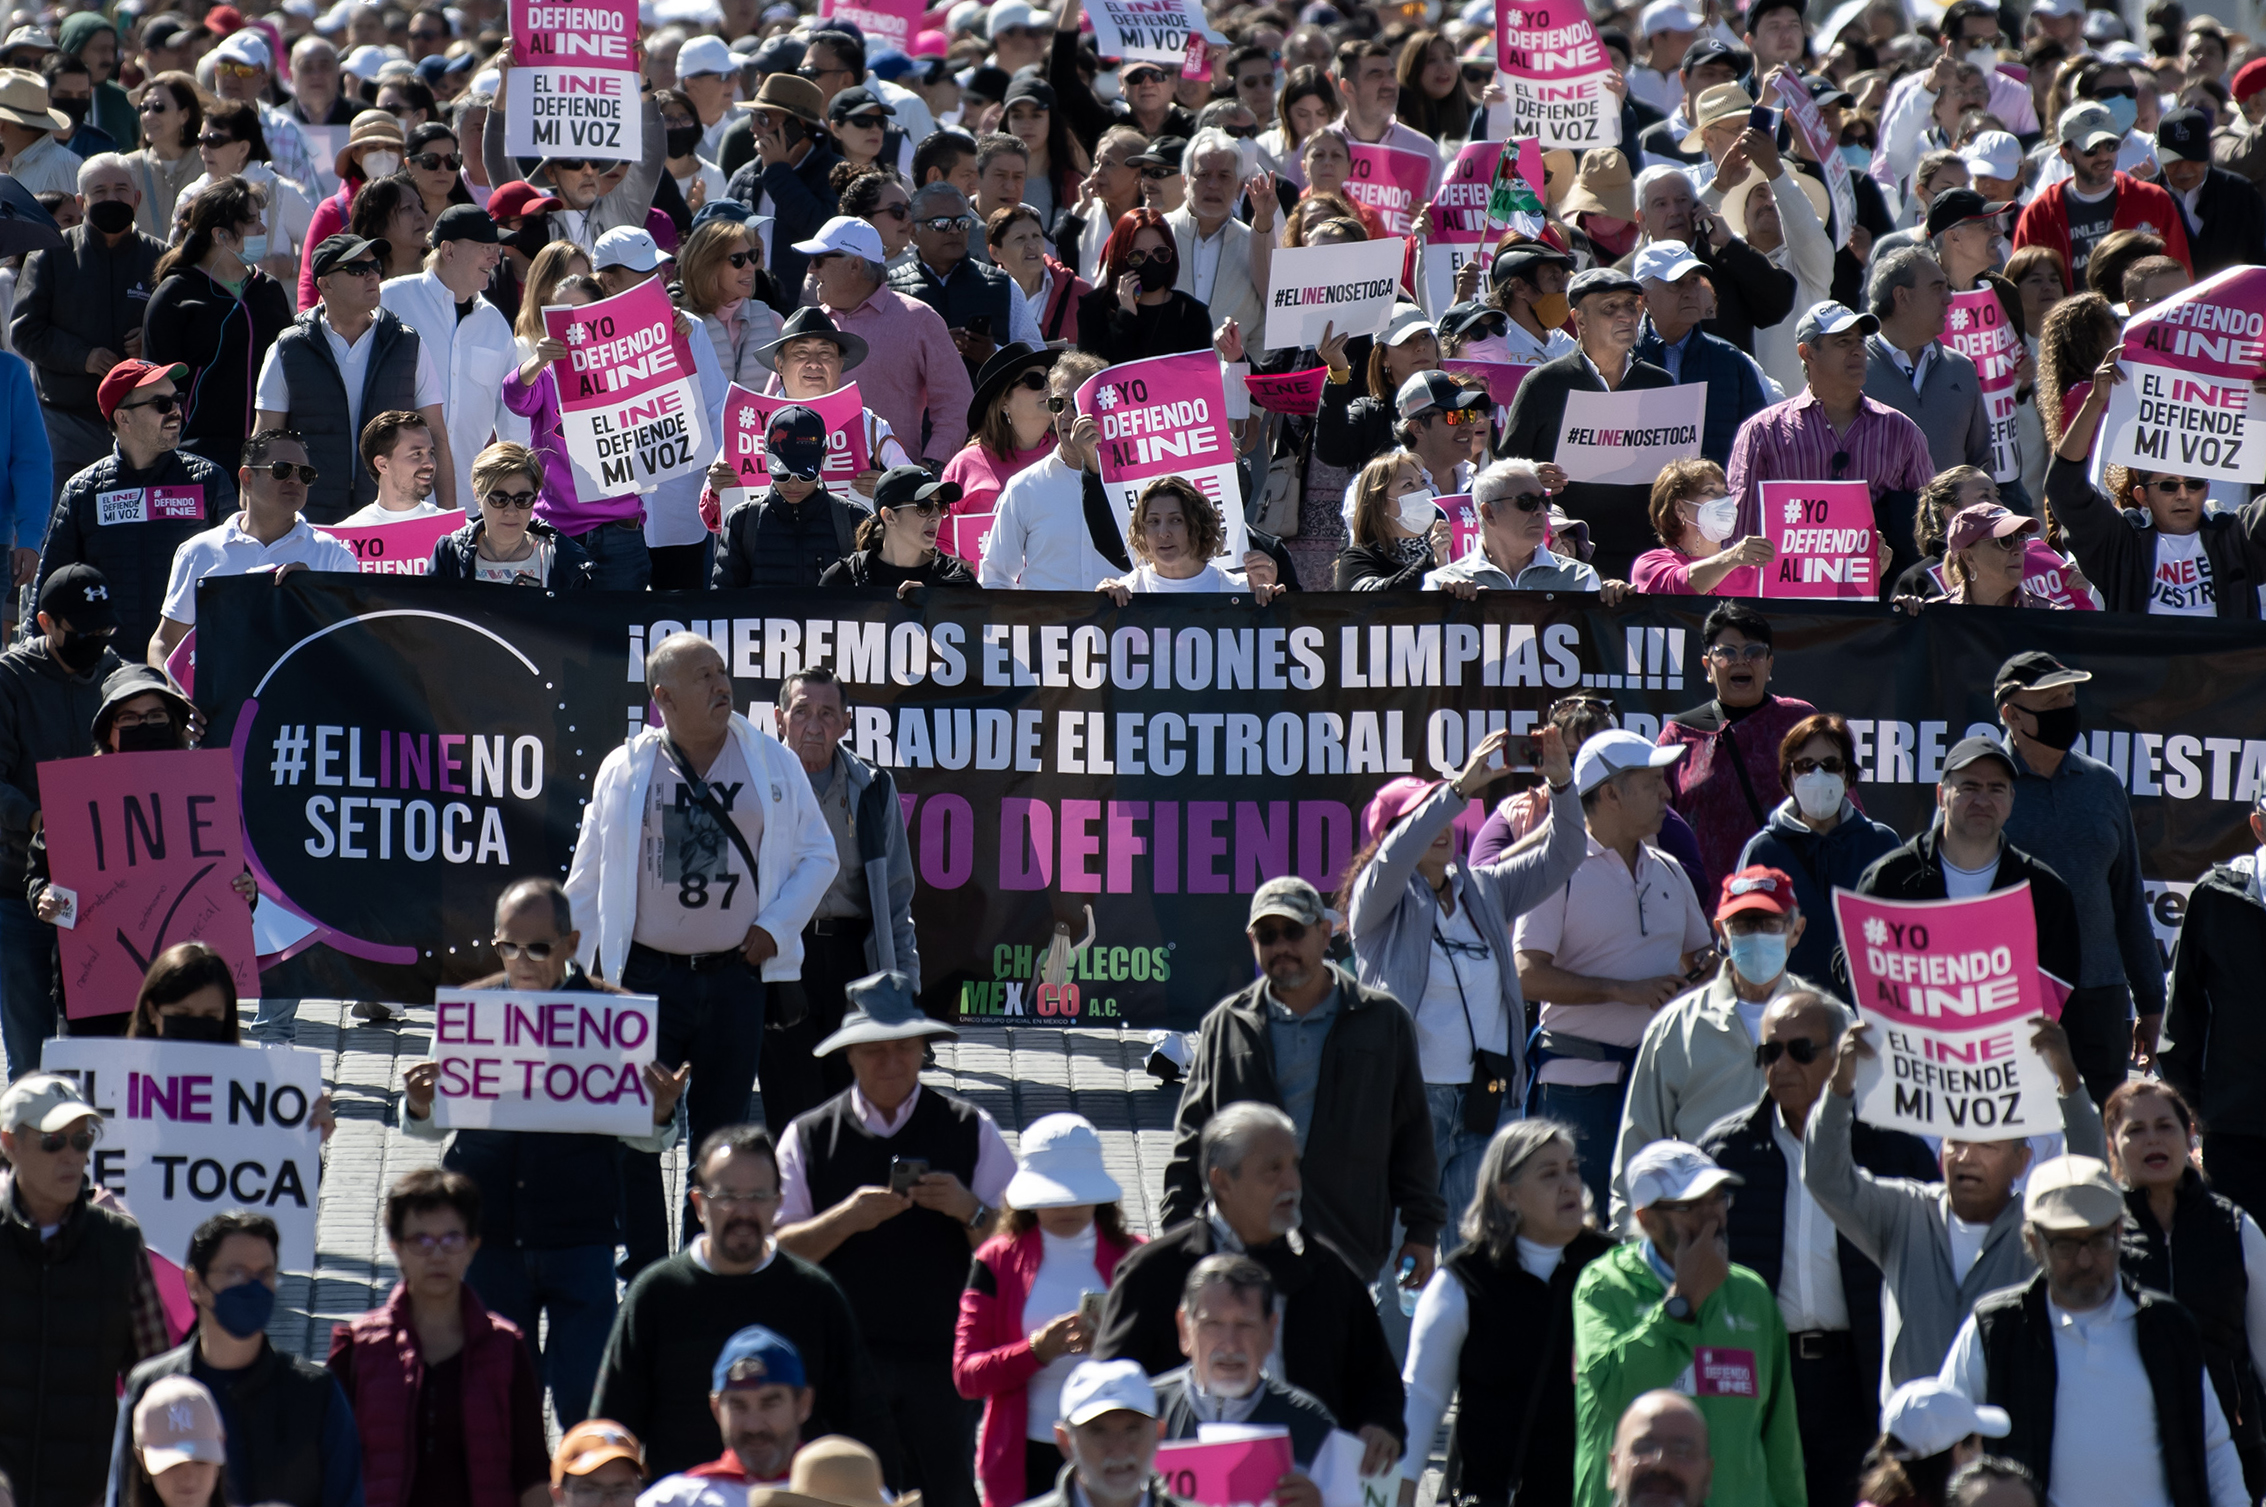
[[702, 856], [469, 337], [1224, 263]]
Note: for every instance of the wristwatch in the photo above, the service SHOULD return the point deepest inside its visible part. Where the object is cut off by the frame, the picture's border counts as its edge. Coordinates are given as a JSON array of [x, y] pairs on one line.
[[1678, 1307], [982, 1216]]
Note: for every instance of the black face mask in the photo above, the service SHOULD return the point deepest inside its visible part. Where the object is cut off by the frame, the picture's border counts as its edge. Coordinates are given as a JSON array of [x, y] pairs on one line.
[[111, 216], [2058, 728], [1156, 278], [194, 1028], [148, 737], [79, 652], [75, 108], [533, 235], [683, 140]]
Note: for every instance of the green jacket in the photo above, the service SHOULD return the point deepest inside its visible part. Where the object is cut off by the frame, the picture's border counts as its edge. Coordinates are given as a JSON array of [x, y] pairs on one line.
[[1731, 1359]]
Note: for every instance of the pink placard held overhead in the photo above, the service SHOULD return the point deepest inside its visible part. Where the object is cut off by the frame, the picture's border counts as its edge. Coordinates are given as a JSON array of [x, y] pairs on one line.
[[1555, 70], [1391, 181], [747, 414], [1298, 393], [147, 845], [890, 22], [1167, 416], [1804, 115], [629, 399], [1237, 1473], [573, 86], [400, 548], [1824, 537], [1458, 232], [1502, 377], [1976, 326]]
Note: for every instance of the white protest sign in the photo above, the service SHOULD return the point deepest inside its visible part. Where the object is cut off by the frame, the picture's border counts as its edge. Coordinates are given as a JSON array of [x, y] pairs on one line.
[[1554, 68], [568, 1061], [573, 86], [2186, 404], [1629, 437], [1351, 287], [1148, 31], [192, 1129]]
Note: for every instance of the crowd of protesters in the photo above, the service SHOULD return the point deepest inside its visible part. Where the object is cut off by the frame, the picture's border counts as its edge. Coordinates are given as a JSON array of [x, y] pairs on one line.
[[1551, 1133]]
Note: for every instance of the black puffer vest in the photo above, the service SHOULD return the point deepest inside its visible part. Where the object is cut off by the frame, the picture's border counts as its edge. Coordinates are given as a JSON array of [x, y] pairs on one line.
[[2203, 1268], [319, 410]]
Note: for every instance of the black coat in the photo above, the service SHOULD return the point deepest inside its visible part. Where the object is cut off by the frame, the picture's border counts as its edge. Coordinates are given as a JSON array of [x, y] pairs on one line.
[[2214, 1037], [1365, 567], [1619, 515], [773, 542], [2116, 547], [1352, 427], [1178, 324], [46, 712], [1915, 872], [2227, 227], [82, 296], [455, 557], [222, 338], [859, 569], [135, 558]]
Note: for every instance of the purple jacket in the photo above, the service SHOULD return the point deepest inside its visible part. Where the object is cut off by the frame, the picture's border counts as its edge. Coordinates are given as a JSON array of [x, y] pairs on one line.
[[558, 506], [1705, 786]]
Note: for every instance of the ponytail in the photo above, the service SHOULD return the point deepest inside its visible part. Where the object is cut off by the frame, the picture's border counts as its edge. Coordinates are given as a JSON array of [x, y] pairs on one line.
[[224, 206], [870, 530]]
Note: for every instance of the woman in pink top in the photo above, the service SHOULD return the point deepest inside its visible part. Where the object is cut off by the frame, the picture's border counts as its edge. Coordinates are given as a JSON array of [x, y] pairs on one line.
[[533, 393], [1011, 428], [1692, 512], [374, 148]]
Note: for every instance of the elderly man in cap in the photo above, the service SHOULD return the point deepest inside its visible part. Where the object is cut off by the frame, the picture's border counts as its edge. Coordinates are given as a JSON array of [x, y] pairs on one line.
[[1671, 1311], [1677, 295], [787, 178], [789, 533], [761, 1401], [1609, 948], [128, 512], [81, 1308], [1108, 1433], [345, 361], [578, 181], [1228, 1320], [2102, 1379], [1833, 432], [2226, 219], [479, 354], [1608, 310], [888, 1186], [1284, 1041], [924, 388], [598, 1464], [1514, 517]]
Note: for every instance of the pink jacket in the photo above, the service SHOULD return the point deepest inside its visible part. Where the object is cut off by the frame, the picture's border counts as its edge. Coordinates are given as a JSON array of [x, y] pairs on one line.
[[328, 220], [992, 1357]]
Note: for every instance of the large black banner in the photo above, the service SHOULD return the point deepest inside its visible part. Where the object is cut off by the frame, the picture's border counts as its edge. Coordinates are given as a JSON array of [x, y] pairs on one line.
[[407, 747]]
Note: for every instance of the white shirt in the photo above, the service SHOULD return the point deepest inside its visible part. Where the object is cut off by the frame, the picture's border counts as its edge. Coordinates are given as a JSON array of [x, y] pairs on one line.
[[1914, 370], [1066, 1273], [2107, 1445], [1444, 1044], [2182, 585], [1966, 884], [1146, 581], [995, 1164], [1039, 541], [1967, 1239], [378, 513], [226, 550], [472, 356], [705, 173], [273, 394], [1204, 261], [1663, 89], [1809, 1276]]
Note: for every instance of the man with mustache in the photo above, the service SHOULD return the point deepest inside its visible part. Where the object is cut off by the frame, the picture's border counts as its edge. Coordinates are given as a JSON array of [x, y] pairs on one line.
[[1227, 1330], [1108, 1434], [1328, 1341], [1660, 1455], [760, 1401]]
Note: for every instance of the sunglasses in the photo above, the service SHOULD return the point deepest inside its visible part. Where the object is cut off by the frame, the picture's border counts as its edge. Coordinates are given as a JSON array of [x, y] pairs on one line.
[[2127, 92], [284, 470], [1034, 379], [2172, 486], [1142, 76], [434, 1245], [739, 259], [1056, 404], [240, 70], [927, 507], [896, 211], [164, 404], [873, 122], [1268, 934], [1820, 766], [511, 501], [809, 72], [1479, 77], [369, 266], [539, 951], [433, 162], [1162, 257], [81, 1141], [1456, 418], [1801, 1049], [216, 140], [2007, 543], [1527, 502], [1240, 133], [1159, 174], [157, 103], [571, 164], [945, 224]]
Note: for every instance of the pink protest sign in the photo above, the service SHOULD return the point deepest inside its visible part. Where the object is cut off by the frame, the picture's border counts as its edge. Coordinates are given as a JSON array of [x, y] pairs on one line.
[[746, 414], [2052, 577], [1463, 525], [1391, 181], [1823, 538], [401, 548], [1976, 326], [1949, 987], [1298, 393], [2187, 404], [573, 86], [1825, 147], [1167, 416], [148, 844], [1555, 70], [181, 664], [149, 505], [629, 401], [1196, 62], [891, 21], [963, 534], [1237, 1473], [1458, 229], [1502, 377]]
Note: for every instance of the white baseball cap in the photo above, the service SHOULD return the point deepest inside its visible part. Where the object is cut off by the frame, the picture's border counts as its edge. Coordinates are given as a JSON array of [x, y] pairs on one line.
[[1669, 261], [1609, 753], [364, 61], [705, 54], [625, 246], [1993, 154], [845, 233], [1106, 1386], [1667, 15], [2057, 7], [45, 1102], [1674, 1172], [1928, 1417], [246, 47], [1008, 13]]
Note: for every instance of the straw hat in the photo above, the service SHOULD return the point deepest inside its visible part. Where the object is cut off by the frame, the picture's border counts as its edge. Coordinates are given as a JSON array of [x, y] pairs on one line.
[[1716, 102], [1602, 185], [371, 128], [23, 100], [832, 1471], [1740, 195]]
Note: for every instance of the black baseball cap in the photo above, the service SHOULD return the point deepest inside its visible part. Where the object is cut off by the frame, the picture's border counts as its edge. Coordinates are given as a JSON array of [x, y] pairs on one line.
[[80, 595], [1164, 151], [1956, 206], [337, 250], [2034, 670], [465, 222], [1522, 259], [794, 443], [857, 100], [1707, 50], [1473, 318], [900, 485], [1969, 750], [2184, 136]]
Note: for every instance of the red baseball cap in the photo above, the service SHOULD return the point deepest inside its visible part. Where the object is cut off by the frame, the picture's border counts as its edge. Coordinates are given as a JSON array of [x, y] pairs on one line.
[[125, 377], [2249, 79], [224, 20], [1758, 888], [519, 197]]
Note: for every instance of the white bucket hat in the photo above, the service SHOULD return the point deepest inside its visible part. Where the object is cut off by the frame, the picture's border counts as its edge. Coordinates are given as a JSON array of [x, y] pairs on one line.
[[1061, 1165]]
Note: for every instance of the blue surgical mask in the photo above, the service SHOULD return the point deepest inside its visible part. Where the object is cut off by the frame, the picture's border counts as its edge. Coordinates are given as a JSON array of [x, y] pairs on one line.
[[1760, 956], [2123, 111], [244, 1310], [254, 250], [1859, 158]]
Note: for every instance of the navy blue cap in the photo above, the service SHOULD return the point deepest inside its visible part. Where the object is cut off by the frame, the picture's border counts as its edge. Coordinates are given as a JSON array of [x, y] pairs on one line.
[[757, 1357], [794, 443]]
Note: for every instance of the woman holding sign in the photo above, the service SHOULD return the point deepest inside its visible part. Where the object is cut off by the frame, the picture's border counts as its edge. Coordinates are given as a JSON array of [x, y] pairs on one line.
[[1136, 312], [189, 994], [1010, 425], [1694, 515], [1175, 533]]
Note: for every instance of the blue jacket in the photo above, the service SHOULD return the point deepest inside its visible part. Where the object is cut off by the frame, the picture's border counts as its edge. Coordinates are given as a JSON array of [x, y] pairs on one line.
[[1734, 384], [1818, 865], [25, 460]]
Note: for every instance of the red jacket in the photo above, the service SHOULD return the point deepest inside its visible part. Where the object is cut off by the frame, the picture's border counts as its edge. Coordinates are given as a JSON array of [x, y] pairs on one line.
[[388, 1368], [992, 1356], [2140, 206]]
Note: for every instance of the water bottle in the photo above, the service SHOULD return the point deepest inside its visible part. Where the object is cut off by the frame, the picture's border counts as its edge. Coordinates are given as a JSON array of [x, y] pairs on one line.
[[1407, 1293]]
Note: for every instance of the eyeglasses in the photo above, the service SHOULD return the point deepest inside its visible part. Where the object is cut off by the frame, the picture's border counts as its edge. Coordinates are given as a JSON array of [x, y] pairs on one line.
[[724, 1199], [1055, 404], [216, 140], [1832, 765], [81, 1141], [1034, 379], [945, 224], [1802, 1049], [1726, 654], [739, 259], [896, 211], [164, 403], [241, 70], [1161, 257], [141, 719], [927, 507], [510, 501], [284, 470], [1240, 133], [2172, 486], [1159, 174], [2070, 1247], [513, 951], [437, 1245], [1267, 934], [433, 162]]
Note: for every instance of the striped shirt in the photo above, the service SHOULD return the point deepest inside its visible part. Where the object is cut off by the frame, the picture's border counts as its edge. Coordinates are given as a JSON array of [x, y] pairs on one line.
[[1794, 441]]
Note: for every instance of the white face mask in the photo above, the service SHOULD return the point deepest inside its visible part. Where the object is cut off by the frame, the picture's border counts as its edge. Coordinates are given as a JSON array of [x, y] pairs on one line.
[[1985, 58], [1417, 510], [1818, 794], [1718, 516], [376, 165]]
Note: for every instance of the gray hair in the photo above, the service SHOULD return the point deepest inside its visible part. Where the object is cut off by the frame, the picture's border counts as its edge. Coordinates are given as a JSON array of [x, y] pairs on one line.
[[1211, 141], [1652, 175], [938, 190], [1899, 269], [661, 659], [1220, 111], [1238, 1274], [1228, 1136], [312, 44], [1495, 484], [1492, 1222], [104, 162]]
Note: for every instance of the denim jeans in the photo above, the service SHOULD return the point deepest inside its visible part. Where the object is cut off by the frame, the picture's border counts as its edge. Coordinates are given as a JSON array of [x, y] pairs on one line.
[[574, 1286], [27, 984], [1594, 1111], [1458, 1151], [273, 1019], [619, 560]]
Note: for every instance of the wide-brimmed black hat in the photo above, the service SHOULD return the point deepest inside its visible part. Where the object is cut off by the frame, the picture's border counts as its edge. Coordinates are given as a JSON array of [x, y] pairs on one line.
[[128, 682], [802, 324], [1003, 367]]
